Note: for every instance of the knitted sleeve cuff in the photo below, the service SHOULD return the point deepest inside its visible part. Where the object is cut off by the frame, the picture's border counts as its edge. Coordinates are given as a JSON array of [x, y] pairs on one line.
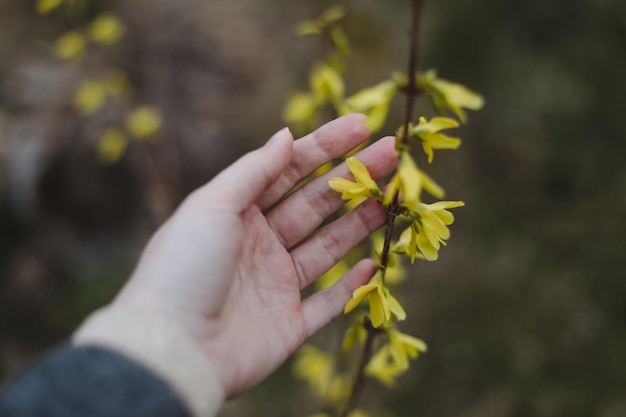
[[161, 346]]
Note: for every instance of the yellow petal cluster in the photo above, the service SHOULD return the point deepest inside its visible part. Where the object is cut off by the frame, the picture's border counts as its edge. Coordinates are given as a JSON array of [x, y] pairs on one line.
[[392, 360], [143, 122], [326, 89], [92, 94], [403, 347], [355, 335], [71, 46], [112, 145], [322, 23], [428, 133], [382, 303], [374, 102], [363, 186], [46, 6], [383, 368], [106, 29], [428, 231], [407, 243], [300, 109], [409, 180], [89, 97], [315, 367], [449, 95], [327, 85], [333, 275]]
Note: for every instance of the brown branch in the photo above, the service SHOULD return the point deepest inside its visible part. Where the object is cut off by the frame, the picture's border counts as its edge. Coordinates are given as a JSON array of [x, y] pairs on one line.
[[394, 208], [411, 94], [359, 379]]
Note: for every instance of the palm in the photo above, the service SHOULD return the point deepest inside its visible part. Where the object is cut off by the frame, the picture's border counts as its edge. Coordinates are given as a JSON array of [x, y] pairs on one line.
[[242, 265]]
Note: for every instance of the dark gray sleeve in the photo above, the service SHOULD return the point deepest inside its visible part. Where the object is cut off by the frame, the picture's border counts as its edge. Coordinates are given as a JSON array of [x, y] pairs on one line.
[[89, 381]]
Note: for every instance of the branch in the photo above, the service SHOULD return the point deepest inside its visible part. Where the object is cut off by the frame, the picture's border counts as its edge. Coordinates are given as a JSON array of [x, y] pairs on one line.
[[394, 208]]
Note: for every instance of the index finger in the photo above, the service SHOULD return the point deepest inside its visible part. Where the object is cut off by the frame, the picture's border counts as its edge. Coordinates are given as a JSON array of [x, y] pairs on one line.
[[330, 141]]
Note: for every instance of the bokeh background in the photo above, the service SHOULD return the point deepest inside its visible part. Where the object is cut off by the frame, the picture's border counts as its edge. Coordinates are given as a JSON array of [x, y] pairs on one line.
[[524, 314]]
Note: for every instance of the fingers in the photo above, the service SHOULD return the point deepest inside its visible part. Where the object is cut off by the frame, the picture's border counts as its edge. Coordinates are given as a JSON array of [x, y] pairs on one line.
[[241, 184], [326, 247], [314, 150], [320, 308], [296, 217]]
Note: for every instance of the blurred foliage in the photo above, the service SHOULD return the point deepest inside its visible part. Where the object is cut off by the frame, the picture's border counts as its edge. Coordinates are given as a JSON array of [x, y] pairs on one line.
[[525, 313]]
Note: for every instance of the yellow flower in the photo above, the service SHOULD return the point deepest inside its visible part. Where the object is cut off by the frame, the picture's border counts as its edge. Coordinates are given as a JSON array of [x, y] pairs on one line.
[[90, 96], [410, 181], [112, 145], [374, 102], [327, 85], [338, 389], [355, 335], [300, 109], [315, 367], [448, 95], [407, 243], [403, 346], [432, 227], [383, 368], [106, 29], [317, 26], [382, 303], [431, 139], [364, 185], [70, 46], [46, 6], [333, 275], [143, 122]]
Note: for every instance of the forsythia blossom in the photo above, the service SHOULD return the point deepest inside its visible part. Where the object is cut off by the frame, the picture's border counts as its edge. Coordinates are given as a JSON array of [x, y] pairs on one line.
[[449, 95], [355, 335], [364, 185], [428, 231], [71, 46], [46, 6], [112, 145], [383, 368], [382, 303], [428, 133], [403, 346], [143, 122], [410, 181], [392, 360], [374, 102], [106, 29], [315, 367], [407, 244]]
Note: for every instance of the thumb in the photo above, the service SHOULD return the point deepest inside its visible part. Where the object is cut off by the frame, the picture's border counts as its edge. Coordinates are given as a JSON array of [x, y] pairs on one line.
[[242, 183]]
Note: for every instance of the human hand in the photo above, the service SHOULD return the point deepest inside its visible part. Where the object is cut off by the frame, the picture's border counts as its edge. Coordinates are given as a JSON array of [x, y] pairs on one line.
[[229, 265]]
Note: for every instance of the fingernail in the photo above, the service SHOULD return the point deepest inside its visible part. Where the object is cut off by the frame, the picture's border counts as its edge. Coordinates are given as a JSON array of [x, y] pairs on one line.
[[274, 139]]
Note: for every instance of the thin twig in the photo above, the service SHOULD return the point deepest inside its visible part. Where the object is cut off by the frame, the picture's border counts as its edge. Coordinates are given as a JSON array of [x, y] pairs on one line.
[[411, 93], [394, 209], [359, 379]]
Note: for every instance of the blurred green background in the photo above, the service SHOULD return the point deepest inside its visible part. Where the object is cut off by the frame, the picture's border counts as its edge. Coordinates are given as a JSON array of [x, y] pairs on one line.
[[524, 314]]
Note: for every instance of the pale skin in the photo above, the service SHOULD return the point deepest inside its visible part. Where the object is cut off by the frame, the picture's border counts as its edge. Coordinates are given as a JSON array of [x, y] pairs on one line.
[[229, 265]]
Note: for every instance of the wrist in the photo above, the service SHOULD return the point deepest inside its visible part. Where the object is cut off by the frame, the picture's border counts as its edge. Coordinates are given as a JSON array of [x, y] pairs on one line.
[[163, 347]]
